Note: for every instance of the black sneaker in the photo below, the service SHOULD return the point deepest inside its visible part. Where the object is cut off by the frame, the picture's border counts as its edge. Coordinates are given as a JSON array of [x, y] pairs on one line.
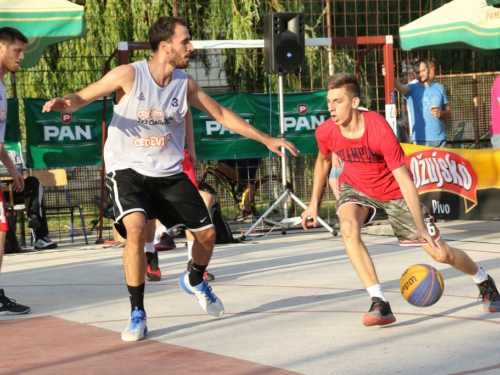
[[243, 215], [45, 243], [488, 292], [379, 314], [153, 272], [34, 222], [10, 306], [166, 243]]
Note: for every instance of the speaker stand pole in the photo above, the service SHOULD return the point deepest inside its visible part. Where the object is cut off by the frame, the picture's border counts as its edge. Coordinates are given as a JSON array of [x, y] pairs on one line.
[[286, 222]]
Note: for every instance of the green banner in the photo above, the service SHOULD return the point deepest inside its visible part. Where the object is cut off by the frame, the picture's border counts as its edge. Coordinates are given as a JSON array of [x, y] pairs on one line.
[[303, 112], [12, 140], [57, 139], [68, 140]]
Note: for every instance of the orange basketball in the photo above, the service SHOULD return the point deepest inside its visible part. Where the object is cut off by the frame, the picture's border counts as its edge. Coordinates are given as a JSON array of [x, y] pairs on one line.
[[421, 285]]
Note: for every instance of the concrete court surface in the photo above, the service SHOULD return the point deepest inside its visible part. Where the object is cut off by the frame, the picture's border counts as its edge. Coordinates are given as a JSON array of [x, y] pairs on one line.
[[293, 305]]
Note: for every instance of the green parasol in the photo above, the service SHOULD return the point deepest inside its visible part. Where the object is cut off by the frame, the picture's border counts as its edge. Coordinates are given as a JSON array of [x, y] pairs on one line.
[[44, 22], [459, 24]]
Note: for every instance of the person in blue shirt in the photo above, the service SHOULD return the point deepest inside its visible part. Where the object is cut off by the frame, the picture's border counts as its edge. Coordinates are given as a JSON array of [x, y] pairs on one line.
[[428, 105]]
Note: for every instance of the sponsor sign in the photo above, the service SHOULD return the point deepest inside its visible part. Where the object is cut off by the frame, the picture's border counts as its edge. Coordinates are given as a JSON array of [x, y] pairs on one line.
[[303, 113], [12, 139], [456, 184], [57, 139], [74, 139]]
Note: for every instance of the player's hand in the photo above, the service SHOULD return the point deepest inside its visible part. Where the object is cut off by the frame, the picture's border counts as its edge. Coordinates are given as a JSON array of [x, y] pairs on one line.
[[274, 144], [383, 70], [436, 112], [424, 234], [18, 181], [56, 104], [309, 217]]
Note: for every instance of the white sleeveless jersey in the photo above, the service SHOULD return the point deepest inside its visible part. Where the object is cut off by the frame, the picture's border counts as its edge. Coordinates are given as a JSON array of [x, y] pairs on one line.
[[147, 131], [3, 111]]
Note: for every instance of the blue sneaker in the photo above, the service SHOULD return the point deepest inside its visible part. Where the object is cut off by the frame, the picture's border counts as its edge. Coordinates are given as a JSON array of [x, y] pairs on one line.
[[206, 297], [137, 326]]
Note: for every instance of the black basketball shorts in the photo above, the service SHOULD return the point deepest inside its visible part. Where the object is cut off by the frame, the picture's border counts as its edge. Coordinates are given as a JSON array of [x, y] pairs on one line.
[[174, 200]]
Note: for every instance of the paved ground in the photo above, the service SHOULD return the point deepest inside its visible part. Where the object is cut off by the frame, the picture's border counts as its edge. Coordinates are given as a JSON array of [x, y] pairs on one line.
[[293, 305]]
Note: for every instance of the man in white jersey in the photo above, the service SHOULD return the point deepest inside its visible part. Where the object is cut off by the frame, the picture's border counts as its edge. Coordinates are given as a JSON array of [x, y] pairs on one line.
[[12, 46], [143, 155]]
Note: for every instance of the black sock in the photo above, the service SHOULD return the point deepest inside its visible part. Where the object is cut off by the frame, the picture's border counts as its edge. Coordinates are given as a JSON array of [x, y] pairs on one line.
[[196, 274], [136, 294]]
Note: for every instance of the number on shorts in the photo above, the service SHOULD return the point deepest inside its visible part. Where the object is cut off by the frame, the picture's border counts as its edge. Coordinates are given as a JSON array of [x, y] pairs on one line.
[[430, 227]]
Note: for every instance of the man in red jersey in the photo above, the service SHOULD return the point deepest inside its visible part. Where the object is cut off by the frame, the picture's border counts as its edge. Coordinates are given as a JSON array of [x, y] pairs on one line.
[[375, 176]]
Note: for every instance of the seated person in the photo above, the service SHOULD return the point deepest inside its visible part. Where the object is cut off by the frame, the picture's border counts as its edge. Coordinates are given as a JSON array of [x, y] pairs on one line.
[[32, 197], [246, 172]]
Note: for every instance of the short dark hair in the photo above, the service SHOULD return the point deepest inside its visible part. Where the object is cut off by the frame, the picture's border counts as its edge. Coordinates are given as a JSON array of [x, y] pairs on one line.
[[418, 62], [9, 35], [163, 30], [347, 81]]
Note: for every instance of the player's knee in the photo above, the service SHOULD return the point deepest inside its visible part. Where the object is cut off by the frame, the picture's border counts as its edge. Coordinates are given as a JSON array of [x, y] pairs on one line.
[[441, 258], [446, 254], [136, 233], [349, 228], [206, 237]]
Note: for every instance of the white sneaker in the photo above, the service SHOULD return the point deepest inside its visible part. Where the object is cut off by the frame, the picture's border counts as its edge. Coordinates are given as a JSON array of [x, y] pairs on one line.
[[45, 243], [137, 326], [207, 299]]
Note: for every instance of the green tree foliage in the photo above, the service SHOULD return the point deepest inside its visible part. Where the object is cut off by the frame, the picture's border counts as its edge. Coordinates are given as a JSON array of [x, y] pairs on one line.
[[72, 65]]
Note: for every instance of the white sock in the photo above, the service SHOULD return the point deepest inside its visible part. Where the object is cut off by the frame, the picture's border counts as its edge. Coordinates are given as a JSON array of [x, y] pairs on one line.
[[149, 247], [158, 232], [190, 249], [480, 276], [376, 291]]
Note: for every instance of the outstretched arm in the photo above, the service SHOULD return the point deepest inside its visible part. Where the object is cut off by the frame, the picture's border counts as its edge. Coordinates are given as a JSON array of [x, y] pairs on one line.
[[232, 121], [120, 78]]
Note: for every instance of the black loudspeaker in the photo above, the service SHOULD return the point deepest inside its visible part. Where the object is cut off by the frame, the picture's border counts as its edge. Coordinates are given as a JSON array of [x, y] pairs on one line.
[[284, 42]]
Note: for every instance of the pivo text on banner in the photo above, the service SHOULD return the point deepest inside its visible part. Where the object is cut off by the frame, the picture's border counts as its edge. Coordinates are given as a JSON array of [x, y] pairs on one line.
[[456, 184]]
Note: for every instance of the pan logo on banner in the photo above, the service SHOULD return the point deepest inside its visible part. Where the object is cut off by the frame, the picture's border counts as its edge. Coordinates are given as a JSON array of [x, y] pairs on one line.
[[216, 132], [66, 118], [296, 124], [441, 170], [73, 133]]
